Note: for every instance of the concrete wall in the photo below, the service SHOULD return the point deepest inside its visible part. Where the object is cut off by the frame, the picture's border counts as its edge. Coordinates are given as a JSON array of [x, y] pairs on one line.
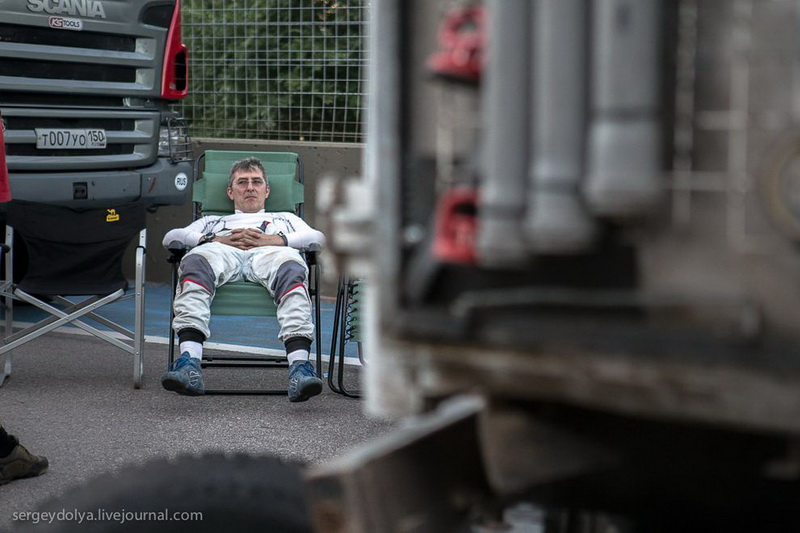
[[319, 159]]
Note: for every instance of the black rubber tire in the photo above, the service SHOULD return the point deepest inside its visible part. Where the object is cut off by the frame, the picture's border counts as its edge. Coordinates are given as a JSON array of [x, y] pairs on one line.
[[234, 493]]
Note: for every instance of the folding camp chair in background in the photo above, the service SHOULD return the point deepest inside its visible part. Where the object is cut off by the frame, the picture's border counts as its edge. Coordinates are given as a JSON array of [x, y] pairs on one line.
[[74, 268], [347, 328], [286, 193]]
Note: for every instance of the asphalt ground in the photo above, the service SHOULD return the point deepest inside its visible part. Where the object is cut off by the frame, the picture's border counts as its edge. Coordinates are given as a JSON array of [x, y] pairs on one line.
[[71, 399]]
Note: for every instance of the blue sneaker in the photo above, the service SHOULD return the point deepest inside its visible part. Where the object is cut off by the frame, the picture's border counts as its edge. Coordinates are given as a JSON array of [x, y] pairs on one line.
[[303, 382], [185, 376]]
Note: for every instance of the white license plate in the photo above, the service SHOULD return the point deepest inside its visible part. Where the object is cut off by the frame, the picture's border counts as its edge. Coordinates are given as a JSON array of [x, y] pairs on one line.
[[87, 139]]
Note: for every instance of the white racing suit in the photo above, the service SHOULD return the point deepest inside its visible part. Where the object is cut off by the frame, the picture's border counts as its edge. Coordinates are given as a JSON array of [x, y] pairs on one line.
[[280, 269]]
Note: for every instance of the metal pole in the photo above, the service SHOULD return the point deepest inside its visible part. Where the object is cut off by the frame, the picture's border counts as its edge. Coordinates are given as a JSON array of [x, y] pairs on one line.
[[507, 126], [557, 221]]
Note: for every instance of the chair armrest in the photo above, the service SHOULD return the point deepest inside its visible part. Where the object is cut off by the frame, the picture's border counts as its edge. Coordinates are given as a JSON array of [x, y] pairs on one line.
[[311, 253], [176, 251]]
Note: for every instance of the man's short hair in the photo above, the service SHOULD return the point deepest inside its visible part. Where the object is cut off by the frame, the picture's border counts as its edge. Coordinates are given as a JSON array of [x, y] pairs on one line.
[[248, 163]]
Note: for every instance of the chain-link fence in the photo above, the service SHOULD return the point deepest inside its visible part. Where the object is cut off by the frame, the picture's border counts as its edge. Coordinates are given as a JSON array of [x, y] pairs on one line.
[[276, 69]]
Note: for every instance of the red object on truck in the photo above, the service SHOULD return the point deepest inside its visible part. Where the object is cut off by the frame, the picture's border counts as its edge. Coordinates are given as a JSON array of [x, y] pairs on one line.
[[5, 190]]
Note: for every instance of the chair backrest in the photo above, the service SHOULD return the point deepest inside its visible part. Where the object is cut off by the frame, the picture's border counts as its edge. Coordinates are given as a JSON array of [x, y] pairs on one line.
[[75, 251], [284, 174], [286, 193]]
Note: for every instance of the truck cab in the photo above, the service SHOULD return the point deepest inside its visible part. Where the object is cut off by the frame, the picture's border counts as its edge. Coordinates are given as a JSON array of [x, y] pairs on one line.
[[86, 89]]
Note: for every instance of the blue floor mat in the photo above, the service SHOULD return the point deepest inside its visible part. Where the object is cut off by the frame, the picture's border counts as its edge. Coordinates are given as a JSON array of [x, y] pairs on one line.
[[259, 332]]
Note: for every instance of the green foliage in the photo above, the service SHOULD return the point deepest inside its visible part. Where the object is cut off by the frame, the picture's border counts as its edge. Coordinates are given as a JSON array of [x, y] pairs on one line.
[[275, 69]]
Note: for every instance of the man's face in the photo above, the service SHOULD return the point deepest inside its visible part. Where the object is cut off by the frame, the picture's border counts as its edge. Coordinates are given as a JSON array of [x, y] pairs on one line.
[[248, 190]]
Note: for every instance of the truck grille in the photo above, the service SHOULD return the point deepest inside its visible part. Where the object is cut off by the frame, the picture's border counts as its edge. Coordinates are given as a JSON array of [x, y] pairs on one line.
[[53, 70], [13, 33], [58, 100], [38, 59], [132, 139]]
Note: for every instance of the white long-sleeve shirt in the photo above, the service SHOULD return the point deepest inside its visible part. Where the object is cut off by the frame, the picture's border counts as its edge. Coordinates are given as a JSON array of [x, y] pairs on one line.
[[298, 234]]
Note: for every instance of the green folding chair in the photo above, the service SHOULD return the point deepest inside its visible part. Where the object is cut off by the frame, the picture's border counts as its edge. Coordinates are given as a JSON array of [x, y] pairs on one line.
[[285, 175]]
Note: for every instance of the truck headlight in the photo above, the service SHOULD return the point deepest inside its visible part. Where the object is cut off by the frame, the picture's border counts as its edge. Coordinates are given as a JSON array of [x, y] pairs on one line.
[[174, 141]]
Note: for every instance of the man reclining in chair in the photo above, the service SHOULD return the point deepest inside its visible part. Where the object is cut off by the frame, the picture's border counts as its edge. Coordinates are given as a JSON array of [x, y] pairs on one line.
[[250, 245]]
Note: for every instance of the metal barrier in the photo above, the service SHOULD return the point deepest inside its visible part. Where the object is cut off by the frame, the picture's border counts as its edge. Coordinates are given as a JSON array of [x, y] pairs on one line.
[[276, 71]]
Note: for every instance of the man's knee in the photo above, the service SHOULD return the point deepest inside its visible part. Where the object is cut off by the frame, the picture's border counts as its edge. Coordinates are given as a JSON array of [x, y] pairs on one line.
[[290, 276], [195, 269]]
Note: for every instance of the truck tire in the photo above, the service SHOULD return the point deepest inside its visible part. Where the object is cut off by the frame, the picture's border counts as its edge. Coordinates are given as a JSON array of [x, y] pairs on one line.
[[233, 493]]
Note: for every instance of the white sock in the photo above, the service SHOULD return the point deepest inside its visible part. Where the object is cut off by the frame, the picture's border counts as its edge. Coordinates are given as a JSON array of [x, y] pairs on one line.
[[194, 348], [297, 355]]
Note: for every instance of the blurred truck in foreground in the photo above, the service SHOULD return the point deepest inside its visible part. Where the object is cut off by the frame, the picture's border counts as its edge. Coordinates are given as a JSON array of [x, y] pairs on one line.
[[578, 230]]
